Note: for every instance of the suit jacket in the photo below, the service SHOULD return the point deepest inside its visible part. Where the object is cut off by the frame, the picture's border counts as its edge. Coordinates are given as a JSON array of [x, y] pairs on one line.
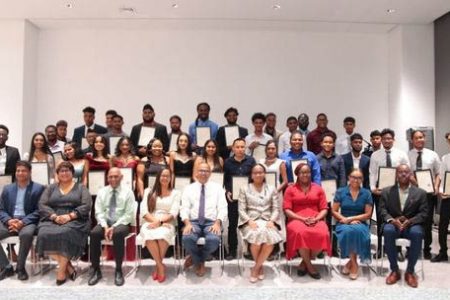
[[160, 133], [8, 202], [12, 157], [415, 209], [222, 142], [78, 132], [254, 206], [364, 163]]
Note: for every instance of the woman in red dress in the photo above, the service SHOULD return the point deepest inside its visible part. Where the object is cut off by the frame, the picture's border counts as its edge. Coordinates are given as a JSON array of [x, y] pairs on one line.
[[305, 206]]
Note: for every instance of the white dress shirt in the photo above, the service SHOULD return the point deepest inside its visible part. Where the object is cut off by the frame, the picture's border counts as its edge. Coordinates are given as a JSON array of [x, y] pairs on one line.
[[216, 207], [2, 160], [284, 142], [262, 139], [378, 159], [356, 160], [445, 167], [430, 160], [57, 147], [342, 145]]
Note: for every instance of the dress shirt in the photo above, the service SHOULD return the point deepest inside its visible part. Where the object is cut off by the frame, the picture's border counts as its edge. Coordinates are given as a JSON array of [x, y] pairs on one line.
[[288, 156], [403, 195], [284, 142], [2, 160], [342, 145], [57, 147], [304, 135], [356, 160], [314, 139], [332, 168], [430, 160], [19, 209], [92, 127], [445, 167], [125, 209], [232, 167], [216, 207], [208, 123], [378, 159], [252, 137]]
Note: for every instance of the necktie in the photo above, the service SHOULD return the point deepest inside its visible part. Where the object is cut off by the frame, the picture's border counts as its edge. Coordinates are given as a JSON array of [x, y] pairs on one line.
[[419, 161], [112, 208], [201, 208], [388, 159]]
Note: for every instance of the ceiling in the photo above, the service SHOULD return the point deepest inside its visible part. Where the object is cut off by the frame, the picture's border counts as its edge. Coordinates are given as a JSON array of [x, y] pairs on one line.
[[341, 11]]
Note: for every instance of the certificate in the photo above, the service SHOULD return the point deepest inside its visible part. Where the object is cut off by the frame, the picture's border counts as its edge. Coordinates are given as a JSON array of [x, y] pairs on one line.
[[329, 187], [181, 182], [237, 183], [425, 180], [127, 179], [84, 143], [96, 180], [259, 152], [386, 177], [39, 172], [173, 142], [447, 183], [4, 180], [146, 134], [203, 133], [113, 144], [294, 164], [231, 133], [271, 179], [58, 157], [151, 181], [216, 177]]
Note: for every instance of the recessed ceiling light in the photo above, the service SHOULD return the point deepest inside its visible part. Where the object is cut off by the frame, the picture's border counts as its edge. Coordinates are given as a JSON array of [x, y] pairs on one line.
[[391, 11], [69, 5], [276, 6], [174, 5]]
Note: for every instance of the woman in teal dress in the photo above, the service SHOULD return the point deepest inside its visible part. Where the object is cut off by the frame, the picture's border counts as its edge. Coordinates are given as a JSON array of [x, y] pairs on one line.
[[352, 209], [73, 154]]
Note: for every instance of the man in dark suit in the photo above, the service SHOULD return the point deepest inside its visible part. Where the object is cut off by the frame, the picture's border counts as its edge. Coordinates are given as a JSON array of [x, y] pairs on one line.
[[403, 209], [80, 132], [355, 159], [231, 114], [148, 117], [9, 156], [19, 215]]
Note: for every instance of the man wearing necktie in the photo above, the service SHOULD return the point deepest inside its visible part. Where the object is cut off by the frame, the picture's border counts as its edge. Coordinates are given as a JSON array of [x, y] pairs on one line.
[[422, 158], [403, 209], [203, 210], [114, 211]]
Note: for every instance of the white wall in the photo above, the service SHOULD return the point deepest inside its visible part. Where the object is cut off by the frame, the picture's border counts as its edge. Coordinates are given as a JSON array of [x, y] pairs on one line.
[[284, 71]]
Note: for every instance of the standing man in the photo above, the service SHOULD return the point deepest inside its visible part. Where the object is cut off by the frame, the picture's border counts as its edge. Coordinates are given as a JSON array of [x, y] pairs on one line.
[[19, 215], [375, 143], [116, 127], [422, 158], [203, 211], [356, 160], [303, 123], [231, 115], [343, 141], [239, 164], [61, 131], [175, 131], [271, 123], [258, 137], [331, 164], [9, 156], [80, 132], [160, 131], [314, 138], [54, 144], [284, 141], [202, 120], [110, 113], [403, 209], [114, 211]]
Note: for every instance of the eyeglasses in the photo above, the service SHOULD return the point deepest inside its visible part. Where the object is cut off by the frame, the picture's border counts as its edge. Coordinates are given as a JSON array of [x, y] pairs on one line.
[[204, 171], [356, 178]]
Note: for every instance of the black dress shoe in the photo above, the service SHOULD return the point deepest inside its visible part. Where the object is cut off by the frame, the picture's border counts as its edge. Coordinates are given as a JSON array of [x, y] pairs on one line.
[[426, 254], [118, 278], [230, 256], [60, 282], [301, 272], [440, 257], [72, 276], [315, 275], [22, 274], [8, 271], [95, 277]]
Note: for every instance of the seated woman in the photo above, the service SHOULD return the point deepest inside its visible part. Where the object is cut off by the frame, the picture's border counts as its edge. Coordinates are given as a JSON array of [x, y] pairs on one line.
[[74, 155], [352, 207], [64, 228], [40, 153], [306, 207], [258, 219], [158, 217]]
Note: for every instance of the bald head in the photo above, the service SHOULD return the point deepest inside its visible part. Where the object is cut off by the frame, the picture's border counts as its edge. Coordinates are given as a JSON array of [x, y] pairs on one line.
[[114, 177], [203, 173]]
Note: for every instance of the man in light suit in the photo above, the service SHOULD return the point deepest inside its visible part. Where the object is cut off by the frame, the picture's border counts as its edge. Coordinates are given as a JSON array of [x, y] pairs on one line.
[[19, 215], [355, 159], [9, 156], [403, 209], [80, 132]]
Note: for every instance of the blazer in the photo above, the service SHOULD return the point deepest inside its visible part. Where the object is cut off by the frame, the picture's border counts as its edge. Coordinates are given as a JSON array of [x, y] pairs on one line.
[[12, 157], [8, 202], [364, 164], [254, 206], [222, 142], [78, 132], [160, 133], [415, 209]]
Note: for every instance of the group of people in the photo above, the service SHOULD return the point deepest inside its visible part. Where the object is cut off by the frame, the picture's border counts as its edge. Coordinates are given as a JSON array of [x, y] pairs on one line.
[[295, 208]]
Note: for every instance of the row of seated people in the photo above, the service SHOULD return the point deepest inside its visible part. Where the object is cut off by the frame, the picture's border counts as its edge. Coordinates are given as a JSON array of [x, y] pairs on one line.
[[60, 214]]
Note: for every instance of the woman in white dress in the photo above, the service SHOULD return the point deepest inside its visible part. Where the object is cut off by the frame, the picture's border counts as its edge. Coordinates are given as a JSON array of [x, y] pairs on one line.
[[259, 219], [273, 164], [158, 214]]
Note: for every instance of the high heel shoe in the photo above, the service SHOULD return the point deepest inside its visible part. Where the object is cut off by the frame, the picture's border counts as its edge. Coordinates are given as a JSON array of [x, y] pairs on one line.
[[60, 282], [161, 278], [155, 275], [72, 276]]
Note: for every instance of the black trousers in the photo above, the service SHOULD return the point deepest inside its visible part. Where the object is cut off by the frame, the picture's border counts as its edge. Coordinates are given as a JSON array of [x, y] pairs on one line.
[[428, 225], [118, 238], [26, 240], [233, 216], [444, 218]]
